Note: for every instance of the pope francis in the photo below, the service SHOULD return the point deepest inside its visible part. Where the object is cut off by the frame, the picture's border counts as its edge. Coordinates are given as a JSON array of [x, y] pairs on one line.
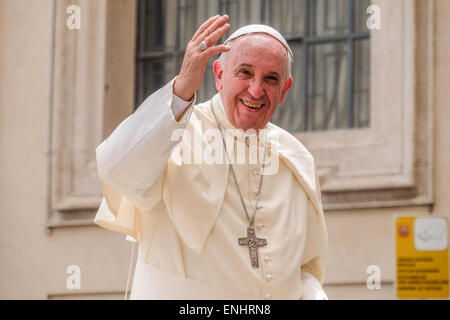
[[213, 218]]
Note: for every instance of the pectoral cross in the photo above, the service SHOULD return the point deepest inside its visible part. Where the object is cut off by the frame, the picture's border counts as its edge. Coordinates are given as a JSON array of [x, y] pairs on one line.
[[253, 243]]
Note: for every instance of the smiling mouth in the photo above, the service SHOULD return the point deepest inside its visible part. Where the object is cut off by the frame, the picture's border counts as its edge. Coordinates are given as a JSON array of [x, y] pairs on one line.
[[251, 105]]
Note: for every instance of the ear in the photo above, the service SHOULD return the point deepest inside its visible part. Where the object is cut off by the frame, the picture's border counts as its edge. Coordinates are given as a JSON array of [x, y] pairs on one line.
[[287, 86], [218, 72]]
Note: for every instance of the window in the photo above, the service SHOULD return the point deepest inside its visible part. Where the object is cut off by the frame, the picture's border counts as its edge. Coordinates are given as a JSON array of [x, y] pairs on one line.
[[329, 39]]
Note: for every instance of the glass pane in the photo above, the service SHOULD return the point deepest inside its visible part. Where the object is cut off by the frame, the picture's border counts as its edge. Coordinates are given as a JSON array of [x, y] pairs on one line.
[[241, 13], [234, 9], [155, 74], [187, 21], [361, 95], [155, 32], [361, 15], [289, 115], [285, 16], [253, 12], [205, 9], [327, 86], [328, 17]]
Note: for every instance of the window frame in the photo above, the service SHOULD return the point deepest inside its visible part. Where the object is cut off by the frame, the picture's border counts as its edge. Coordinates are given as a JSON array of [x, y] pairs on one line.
[[91, 93], [306, 41], [375, 165]]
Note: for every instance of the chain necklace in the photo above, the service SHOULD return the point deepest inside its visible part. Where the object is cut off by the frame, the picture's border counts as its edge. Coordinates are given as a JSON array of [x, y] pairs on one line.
[[251, 241]]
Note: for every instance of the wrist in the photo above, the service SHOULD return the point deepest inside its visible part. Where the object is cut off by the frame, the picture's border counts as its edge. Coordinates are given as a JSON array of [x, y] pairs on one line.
[[180, 90]]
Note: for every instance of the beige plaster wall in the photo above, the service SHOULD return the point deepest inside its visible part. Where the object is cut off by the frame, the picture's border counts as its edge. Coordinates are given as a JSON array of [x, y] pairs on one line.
[[32, 263], [441, 99], [367, 237]]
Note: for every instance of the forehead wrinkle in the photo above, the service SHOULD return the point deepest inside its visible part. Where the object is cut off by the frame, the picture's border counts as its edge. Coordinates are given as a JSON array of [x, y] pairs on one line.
[[265, 42]]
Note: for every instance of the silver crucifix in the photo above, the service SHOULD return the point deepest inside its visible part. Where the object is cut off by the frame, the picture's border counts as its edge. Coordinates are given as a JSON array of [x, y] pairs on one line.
[[253, 243]]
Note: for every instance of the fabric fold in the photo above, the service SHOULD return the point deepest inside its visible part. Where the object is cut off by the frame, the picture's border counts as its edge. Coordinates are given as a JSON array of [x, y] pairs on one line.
[[194, 208]]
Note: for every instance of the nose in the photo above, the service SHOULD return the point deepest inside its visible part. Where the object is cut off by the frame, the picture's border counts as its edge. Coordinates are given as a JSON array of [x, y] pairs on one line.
[[256, 88]]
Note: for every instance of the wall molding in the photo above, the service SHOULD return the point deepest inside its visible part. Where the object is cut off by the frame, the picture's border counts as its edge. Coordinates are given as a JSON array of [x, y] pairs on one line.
[[84, 105], [390, 163]]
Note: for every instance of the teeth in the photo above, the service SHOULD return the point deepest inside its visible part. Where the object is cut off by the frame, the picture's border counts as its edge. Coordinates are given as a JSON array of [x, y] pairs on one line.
[[251, 105]]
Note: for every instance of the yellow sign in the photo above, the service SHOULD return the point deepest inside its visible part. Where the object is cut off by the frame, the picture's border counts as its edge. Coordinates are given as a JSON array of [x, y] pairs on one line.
[[422, 257]]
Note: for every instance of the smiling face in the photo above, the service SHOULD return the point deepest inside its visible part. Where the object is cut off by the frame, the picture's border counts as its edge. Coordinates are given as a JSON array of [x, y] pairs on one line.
[[253, 81]]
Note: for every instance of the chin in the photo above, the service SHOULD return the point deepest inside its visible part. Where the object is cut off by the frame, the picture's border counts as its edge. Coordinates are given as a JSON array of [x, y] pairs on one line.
[[249, 126]]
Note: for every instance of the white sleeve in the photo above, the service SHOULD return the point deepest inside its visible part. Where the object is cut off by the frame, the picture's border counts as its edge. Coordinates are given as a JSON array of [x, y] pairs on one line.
[[134, 156], [179, 107], [312, 290]]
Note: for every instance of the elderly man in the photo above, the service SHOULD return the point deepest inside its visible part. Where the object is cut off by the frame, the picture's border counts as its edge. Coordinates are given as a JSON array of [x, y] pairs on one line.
[[216, 227]]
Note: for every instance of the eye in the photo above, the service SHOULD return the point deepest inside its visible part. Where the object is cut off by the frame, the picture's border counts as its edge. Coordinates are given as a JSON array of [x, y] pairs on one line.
[[272, 80], [244, 73]]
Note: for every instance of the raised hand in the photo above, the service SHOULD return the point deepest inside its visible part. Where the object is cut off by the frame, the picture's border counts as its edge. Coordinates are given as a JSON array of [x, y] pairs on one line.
[[195, 59]]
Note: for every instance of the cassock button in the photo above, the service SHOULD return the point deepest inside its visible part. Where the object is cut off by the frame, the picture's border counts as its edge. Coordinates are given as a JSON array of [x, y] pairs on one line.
[[267, 259], [255, 192], [268, 296], [255, 172], [269, 277]]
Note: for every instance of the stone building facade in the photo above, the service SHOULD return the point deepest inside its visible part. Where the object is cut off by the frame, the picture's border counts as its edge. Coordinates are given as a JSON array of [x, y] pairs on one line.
[[63, 90]]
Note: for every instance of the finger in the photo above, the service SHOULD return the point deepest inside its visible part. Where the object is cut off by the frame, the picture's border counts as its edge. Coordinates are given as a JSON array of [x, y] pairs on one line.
[[216, 35], [204, 26], [211, 29], [214, 51]]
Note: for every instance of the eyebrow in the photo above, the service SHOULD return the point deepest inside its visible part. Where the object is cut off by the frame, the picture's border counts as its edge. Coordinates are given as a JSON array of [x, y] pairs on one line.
[[270, 73]]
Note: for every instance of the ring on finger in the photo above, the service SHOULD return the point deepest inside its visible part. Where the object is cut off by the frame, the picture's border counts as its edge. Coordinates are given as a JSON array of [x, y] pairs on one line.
[[203, 45]]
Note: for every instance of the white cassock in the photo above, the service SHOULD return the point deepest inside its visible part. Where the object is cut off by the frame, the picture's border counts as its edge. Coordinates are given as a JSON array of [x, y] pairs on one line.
[[187, 218]]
